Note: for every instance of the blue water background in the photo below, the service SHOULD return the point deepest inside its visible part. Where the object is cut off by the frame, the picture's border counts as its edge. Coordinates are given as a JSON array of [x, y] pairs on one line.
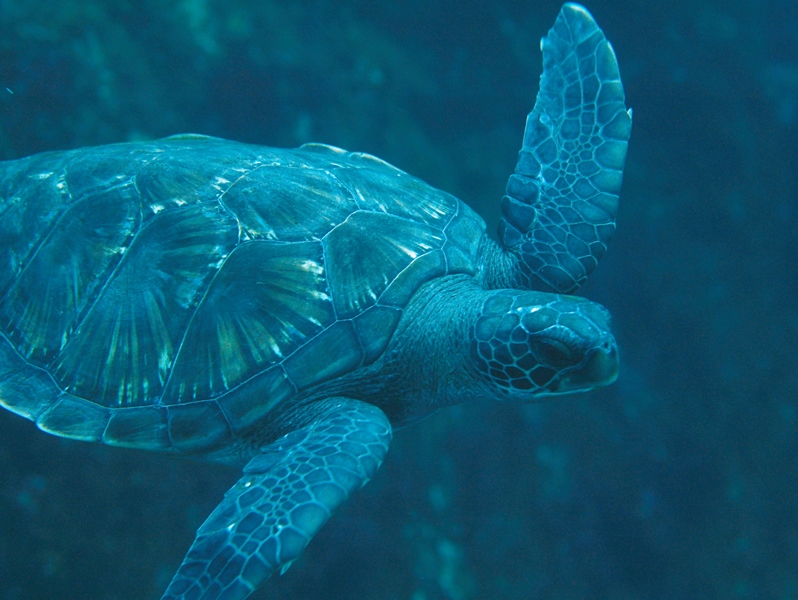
[[679, 481]]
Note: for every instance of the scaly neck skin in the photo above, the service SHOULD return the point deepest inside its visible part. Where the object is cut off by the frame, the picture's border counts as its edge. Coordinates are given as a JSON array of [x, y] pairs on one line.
[[427, 365], [497, 265]]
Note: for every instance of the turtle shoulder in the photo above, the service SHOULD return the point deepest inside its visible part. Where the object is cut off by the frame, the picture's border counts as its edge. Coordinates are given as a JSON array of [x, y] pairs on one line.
[[195, 284]]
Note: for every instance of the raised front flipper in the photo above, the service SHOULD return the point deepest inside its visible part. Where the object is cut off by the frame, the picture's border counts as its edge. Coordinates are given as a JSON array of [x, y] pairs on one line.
[[286, 494], [559, 211]]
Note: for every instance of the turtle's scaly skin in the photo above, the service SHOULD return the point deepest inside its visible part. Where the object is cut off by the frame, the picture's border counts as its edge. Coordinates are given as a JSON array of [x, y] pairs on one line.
[[559, 211], [285, 310]]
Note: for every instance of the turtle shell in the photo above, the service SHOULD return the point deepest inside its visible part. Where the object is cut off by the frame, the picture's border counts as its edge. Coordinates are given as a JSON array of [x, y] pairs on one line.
[[170, 294]]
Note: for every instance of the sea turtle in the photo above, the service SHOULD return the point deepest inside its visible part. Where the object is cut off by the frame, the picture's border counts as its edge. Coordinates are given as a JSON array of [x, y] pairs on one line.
[[284, 310]]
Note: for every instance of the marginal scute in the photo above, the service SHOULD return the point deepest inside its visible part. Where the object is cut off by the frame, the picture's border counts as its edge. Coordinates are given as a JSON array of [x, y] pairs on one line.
[[138, 427], [254, 399], [331, 353], [76, 418], [197, 426], [374, 329], [24, 389]]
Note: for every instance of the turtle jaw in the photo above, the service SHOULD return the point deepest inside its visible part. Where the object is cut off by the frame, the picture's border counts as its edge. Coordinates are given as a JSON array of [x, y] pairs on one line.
[[599, 368]]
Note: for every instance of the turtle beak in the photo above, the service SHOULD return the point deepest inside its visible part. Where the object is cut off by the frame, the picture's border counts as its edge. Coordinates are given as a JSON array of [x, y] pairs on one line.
[[598, 368]]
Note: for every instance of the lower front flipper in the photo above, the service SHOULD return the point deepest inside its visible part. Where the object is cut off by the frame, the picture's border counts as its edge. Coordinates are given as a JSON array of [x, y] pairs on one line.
[[286, 494]]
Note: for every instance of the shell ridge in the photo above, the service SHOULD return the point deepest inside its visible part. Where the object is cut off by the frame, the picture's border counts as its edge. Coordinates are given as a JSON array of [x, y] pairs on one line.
[[42, 240], [168, 381], [325, 261], [224, 205], [110, 276]]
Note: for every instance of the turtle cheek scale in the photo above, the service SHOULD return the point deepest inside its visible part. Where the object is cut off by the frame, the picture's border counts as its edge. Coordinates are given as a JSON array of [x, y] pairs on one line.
[[530, 345]]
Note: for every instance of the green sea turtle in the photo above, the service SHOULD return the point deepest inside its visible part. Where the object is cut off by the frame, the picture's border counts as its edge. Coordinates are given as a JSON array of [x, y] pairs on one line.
[[284, 310]]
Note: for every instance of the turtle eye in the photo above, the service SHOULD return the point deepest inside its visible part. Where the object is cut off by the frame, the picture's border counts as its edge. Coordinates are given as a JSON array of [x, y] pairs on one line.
[[553, 353]]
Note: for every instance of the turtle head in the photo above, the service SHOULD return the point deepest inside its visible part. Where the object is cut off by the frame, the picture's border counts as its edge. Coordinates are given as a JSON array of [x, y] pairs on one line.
[[532, 344]]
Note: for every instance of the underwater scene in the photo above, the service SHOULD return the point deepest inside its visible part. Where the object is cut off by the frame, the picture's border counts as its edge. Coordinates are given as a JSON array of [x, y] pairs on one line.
[[678, 481]]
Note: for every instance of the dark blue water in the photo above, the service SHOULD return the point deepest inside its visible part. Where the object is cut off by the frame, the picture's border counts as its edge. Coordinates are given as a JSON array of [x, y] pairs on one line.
[[680, 481]]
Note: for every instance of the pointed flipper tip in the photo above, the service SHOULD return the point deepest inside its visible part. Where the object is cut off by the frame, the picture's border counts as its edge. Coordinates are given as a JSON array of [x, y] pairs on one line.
[[578, 20], [573, 10]]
